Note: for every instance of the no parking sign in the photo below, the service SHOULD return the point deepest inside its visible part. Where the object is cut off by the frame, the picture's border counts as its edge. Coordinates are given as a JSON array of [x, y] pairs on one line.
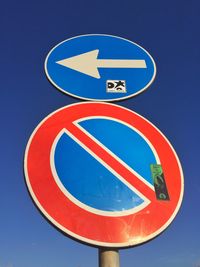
[[103, 174]]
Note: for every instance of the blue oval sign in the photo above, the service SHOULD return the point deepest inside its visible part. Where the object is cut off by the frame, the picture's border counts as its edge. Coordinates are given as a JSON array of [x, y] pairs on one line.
[[100, 67]]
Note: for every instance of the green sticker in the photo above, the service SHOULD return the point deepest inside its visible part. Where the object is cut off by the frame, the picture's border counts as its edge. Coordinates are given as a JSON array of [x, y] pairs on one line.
[[159, 182]]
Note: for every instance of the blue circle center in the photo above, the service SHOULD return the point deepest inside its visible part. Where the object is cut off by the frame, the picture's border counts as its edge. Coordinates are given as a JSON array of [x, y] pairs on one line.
[[91, 182]]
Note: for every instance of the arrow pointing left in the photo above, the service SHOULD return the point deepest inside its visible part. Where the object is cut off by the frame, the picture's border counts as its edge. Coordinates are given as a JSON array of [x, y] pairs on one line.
[[88, 63]]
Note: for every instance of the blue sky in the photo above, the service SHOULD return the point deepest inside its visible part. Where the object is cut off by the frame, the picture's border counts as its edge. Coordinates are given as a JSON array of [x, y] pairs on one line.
[[169, 30]]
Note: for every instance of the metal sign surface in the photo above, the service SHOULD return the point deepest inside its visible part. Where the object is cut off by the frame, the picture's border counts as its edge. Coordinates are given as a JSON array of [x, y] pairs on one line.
[[100, 67], [103, 174]]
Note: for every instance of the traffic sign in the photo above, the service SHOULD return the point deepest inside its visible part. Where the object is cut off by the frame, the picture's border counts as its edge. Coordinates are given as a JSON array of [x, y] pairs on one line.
[[100, 67], [103, 174]]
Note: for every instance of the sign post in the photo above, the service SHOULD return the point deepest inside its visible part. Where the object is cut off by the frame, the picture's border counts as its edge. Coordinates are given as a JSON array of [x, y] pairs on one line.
[[108, 257], [99, 172]]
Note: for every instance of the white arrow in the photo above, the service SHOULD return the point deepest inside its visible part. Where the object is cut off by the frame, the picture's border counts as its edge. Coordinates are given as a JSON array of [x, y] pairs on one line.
[[88, 63]]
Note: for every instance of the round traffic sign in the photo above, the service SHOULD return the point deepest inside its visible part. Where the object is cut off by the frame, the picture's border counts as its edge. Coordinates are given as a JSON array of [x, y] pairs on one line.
[[100, 67], [103, 174]]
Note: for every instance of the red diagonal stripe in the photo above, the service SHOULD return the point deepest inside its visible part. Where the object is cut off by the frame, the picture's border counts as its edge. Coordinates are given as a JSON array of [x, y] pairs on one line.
[[104, 155]]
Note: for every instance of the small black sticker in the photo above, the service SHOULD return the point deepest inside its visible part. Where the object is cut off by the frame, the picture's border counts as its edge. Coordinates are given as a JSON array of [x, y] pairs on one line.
[[116, 86], [159, 182]]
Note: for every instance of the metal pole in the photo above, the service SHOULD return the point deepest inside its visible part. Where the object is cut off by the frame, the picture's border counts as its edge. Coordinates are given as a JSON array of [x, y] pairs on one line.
[[108, 257]]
